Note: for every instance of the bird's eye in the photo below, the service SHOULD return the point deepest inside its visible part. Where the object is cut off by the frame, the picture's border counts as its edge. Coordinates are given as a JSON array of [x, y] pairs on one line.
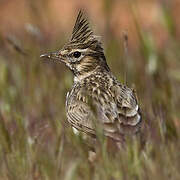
[[76, 54]]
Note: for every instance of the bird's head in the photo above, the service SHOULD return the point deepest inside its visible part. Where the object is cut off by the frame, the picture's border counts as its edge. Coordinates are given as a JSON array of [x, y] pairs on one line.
[[83, 53]]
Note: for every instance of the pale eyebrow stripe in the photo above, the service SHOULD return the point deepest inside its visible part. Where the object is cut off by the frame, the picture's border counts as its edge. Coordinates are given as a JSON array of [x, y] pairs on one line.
[[80, 50]]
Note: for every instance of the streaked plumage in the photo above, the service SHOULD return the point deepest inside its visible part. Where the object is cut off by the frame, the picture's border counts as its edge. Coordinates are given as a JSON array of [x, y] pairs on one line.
[[96, 98]]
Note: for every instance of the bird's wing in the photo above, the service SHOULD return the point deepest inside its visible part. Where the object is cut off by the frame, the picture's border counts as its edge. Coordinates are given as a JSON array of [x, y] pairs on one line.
[[116, 110], [128, 110]]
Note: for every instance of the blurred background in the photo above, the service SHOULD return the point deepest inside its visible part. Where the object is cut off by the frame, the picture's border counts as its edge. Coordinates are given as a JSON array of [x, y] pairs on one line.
[[141, 39]]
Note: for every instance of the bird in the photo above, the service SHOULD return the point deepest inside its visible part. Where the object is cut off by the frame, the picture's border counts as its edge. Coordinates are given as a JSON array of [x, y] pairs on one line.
[[97, 99]]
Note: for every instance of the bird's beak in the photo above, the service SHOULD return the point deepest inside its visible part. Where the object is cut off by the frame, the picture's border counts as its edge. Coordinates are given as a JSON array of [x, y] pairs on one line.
[[53, 55]]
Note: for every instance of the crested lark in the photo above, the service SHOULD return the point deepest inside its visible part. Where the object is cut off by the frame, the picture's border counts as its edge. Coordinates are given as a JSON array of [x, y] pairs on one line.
[[96, 97]]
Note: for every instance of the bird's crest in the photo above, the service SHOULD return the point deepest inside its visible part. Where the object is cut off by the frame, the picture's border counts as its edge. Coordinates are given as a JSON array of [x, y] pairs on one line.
[[81, 31]]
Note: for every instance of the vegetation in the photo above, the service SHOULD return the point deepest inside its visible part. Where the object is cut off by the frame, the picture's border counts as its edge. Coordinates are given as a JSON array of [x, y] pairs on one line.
[[36, 142]]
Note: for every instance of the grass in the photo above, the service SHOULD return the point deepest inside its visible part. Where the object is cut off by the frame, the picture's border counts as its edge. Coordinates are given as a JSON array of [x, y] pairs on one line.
[[36, 142]]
